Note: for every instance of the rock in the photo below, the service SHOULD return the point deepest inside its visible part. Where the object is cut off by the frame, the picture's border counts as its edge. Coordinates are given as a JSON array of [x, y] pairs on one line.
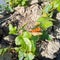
[[51, 48], [1, 16], [6, 38], [28, 15], [33, 1], [58, 17], [36, 1], [56, 30], [20, 10], [7, 41], [10, 39]]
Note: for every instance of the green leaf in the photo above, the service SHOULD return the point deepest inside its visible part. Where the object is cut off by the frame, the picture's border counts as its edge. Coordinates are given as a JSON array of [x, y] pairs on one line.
[[35, 38], [17, 40], [21, 55], [28, 43], [45, 23], [29, 56], [14, 3], [24, 42], [3, 50], [23, 2], [27, 34], [58, 8], [9, 9], [56, 3], [45, 36], [44, 19], [33, 46], [12, 30], [47, 8]]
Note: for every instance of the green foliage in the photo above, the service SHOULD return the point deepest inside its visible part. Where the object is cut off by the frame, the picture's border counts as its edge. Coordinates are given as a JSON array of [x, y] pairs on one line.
[[2, 8], [21, 55], [45, 22], [47, 8], [46, 19], [12, 30], [29, 56], [14, 3], [8, 8], [27, 34], [34, 39], [56, 5], [24, 42], [45, 36], [27, 48], [3, 50], [10, 4]]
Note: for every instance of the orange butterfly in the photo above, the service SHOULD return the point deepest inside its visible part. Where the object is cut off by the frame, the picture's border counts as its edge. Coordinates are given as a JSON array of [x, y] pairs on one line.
[[36, 31]]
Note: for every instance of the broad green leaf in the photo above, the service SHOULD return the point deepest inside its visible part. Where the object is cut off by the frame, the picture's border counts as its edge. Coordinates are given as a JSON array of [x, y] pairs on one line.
[[56, 3], [45, 23], [24, 43], [28, 43], [17, 40], [45, 18], [21, 55], [12, 30], [29, 56], [58, 8], [34, 39], [20, 41], [23, 2], [27, 34], [45, 36]]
